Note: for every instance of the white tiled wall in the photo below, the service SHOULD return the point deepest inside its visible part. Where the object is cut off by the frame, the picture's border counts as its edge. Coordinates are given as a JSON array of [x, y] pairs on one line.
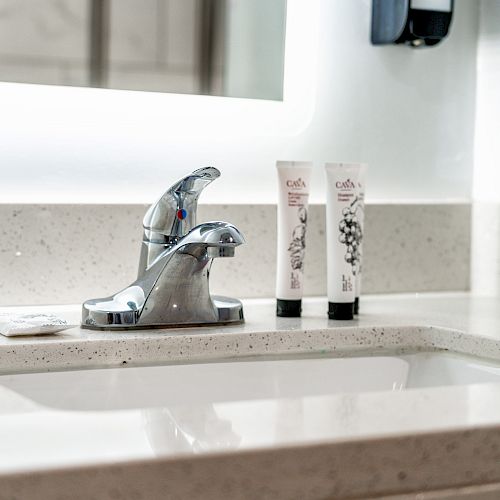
[[52, 29], [153, 43], [179, 22], [134, 32], [43, 41]]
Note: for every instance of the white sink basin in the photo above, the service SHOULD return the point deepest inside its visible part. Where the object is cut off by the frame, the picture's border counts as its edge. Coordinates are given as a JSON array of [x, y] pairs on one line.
[[74, 418], [164, 386]]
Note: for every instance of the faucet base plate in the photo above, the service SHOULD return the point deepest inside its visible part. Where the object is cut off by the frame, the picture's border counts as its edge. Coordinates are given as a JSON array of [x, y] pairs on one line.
[[229, 312]]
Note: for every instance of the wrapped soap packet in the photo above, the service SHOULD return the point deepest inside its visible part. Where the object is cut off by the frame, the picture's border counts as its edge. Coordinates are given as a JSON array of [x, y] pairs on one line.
[[12, 324]]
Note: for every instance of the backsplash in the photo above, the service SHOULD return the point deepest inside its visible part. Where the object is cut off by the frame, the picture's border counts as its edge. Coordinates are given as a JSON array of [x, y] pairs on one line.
[[63, 254]]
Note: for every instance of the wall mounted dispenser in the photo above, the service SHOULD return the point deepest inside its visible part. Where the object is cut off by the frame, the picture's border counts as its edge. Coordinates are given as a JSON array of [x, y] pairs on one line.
[[417, 23]]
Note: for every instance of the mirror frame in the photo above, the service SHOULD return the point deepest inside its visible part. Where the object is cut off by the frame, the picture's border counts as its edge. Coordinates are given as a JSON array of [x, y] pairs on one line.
[[79, 125]]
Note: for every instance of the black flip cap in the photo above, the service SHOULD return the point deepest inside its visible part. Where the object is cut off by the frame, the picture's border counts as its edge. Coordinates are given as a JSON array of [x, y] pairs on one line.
[[341, 310], [288, 308]]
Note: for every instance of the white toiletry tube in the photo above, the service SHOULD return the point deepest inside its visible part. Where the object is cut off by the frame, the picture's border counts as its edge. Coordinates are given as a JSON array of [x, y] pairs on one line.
[[361, 221], [343, 235], [293, 202]]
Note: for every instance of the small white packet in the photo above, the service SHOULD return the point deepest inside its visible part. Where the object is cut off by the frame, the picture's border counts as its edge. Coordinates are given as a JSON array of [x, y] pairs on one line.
[[12, 325]]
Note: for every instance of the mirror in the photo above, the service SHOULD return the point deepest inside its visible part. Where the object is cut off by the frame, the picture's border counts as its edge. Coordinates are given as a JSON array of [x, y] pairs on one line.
[[231, 48]]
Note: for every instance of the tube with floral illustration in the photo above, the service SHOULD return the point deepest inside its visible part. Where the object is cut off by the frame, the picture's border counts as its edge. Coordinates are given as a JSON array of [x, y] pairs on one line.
[[343, 237], [293, 202]]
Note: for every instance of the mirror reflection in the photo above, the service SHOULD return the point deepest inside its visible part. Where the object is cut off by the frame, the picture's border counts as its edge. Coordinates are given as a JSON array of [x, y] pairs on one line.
[[231, 48]]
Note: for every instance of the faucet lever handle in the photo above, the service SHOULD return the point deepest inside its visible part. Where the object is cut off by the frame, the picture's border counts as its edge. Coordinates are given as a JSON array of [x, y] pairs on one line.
[[174, 214]]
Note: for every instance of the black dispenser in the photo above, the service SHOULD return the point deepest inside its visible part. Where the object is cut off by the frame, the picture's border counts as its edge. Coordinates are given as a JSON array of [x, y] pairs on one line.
[[417, 23]]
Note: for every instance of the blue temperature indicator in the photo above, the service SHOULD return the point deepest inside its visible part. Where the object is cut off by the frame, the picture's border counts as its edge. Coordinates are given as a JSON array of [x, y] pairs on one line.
[[181, 214]]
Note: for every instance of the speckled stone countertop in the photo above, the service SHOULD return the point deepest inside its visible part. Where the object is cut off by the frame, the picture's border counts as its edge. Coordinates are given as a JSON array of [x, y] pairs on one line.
[[331, 446], [401, 323]]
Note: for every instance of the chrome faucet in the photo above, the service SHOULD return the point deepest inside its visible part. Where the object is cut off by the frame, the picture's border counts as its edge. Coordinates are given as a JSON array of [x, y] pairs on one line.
[[172, 287]]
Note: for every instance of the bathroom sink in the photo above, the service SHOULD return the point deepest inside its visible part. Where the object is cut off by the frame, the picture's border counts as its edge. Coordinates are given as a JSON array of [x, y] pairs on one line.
[[243, 380]]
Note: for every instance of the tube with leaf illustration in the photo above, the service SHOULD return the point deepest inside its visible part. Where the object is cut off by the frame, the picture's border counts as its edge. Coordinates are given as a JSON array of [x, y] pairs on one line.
[[293, 203]]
